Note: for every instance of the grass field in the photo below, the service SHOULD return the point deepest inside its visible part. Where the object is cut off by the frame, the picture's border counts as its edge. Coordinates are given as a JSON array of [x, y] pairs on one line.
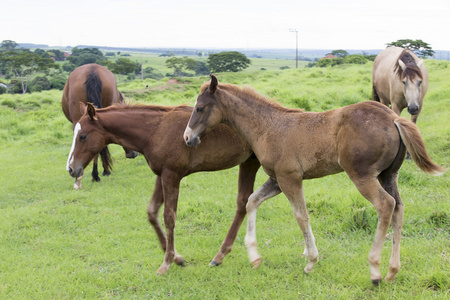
[[96, 242]]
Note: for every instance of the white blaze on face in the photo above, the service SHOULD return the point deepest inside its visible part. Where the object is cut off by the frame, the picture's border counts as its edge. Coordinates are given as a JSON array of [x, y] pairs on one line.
[[75, 134]]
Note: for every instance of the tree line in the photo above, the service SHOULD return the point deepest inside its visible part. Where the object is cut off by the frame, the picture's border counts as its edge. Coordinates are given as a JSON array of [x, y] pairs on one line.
[[419, 47], [37, 70]]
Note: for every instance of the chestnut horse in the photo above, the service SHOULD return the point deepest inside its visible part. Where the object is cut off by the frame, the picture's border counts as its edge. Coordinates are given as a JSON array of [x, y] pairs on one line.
[[156, 132], [400, 80], [366, 140], [96, 84]]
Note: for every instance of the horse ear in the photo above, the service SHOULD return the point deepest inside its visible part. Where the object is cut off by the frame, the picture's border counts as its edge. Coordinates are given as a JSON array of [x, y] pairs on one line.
[[82, 108], [213, 85], [402, 64], [420, 63], [91, 111]]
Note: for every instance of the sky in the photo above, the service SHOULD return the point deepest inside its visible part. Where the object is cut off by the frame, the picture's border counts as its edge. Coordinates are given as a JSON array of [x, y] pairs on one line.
[[227, 24]]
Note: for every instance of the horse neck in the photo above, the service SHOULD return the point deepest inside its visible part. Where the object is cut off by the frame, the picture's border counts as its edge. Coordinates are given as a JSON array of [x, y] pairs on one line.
[[249, 116], [129, 128]]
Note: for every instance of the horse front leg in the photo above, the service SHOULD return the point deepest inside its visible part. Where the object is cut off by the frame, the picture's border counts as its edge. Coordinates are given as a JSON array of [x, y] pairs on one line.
[[95, 169], [170, 186], [247, 174], [293, 189], [268, 190], [152, 212]]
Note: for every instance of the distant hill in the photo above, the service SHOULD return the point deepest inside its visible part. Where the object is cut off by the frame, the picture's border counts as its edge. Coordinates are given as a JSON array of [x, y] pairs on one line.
[[304, 54]]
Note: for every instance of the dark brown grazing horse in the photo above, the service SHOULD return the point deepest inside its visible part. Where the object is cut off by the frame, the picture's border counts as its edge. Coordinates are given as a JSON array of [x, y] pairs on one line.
[[366, 140], [157, 133], [97, 85]]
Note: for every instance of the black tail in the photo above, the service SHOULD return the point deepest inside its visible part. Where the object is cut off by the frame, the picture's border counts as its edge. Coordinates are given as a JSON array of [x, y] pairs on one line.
[[93, 86], [375, 95]]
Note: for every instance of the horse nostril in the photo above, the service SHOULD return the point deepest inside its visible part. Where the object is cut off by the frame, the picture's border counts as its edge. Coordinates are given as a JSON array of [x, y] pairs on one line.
[[70, 170]]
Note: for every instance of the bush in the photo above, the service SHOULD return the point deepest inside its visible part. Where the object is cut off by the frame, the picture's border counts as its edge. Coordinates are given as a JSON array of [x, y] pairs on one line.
[[57, 82], [69, 67], [2, 90], [355, 59], [40, 83]]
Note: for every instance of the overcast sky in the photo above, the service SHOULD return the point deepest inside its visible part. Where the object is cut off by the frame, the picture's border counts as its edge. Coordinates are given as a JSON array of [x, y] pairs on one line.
[[321, 24]]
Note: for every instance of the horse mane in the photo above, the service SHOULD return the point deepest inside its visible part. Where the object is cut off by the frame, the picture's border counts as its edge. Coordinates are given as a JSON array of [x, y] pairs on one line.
[[142, 106], [412, 69], [248, 92]]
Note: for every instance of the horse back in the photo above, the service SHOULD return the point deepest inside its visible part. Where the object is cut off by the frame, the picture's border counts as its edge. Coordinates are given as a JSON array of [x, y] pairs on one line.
[[89, 83]]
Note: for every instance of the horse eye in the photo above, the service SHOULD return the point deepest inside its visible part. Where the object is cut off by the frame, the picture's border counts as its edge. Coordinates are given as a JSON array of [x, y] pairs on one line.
[[83, 137], [200, 109]]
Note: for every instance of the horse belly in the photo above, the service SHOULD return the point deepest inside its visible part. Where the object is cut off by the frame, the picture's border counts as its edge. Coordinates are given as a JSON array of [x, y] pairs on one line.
[[322, 168]]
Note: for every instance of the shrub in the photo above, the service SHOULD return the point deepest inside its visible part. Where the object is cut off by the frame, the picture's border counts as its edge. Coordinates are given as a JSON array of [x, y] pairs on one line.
[[40, 83]]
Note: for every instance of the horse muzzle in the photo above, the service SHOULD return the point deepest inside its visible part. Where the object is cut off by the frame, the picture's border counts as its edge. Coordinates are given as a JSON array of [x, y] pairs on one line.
[[75, 172], [131, 154], [413, 109], [190, 138]]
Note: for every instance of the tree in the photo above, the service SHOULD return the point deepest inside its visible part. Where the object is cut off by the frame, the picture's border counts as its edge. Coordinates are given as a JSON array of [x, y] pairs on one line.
[[339, 53], [124, 66], [419, 47], [24, 65], [201, 68], [181, 63], [84, 56], [8, 45], [231, 61]]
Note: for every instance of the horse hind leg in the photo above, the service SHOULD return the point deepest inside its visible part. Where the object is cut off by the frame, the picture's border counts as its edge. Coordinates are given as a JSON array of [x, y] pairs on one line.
[[268, 190], [389, 183], [384, 204], [247, 174]]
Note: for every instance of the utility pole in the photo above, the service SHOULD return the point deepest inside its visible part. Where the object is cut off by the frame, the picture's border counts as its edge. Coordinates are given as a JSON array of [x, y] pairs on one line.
[[296, 46]]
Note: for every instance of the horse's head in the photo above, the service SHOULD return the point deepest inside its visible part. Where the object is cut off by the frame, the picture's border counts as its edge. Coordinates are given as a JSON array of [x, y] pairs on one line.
[[88, 141], [411, 77], [205, 114]]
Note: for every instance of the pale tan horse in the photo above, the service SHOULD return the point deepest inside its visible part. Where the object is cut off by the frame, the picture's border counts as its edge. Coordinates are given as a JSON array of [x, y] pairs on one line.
[[95, 84], [156, 132], [366, 140], [400, 80]]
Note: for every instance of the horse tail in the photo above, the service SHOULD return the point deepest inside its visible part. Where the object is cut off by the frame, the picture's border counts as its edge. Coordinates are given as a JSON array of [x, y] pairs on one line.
[[375, 95], [415, 145], [93, 85], [106, 157]]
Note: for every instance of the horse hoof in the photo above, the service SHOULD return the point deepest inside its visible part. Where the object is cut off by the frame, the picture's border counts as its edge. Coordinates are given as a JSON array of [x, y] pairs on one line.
[[179, 261], [214, 263], [162, 271], [96, 179], [256, 263], [106, 173], [376, 282]]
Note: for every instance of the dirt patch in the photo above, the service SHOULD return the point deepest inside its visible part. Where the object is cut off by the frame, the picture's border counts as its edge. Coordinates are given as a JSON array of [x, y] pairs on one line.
[[172, 81]]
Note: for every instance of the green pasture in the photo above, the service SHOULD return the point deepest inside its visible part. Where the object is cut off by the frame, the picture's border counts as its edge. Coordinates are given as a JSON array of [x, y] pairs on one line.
[[96, 243]]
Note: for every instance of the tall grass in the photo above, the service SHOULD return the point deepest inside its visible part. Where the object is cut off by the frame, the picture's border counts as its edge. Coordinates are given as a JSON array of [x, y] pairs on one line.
[[96, 242]]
